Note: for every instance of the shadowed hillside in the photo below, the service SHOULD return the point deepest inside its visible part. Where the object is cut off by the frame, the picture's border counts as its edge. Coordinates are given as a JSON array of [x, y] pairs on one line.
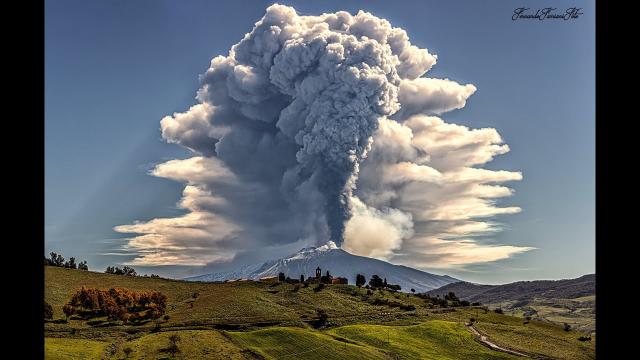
[[522, 290]]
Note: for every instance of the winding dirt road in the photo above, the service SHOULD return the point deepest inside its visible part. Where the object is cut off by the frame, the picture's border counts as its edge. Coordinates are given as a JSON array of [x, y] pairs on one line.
[[483, 339]]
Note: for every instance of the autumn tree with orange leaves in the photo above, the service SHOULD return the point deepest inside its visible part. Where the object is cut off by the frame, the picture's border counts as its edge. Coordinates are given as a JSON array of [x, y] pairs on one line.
[[117, 304]]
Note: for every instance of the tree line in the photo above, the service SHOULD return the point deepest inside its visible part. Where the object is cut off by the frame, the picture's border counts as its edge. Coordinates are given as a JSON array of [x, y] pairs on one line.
[[58, 260], [55, 259], [376, 282], [126, 271]]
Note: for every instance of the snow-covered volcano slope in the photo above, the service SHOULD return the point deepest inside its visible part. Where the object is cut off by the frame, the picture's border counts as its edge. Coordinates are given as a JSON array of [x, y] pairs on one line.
[[339, 263]]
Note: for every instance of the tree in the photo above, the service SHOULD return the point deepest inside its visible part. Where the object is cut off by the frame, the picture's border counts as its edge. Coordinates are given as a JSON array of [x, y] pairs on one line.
[[375, 281], [83, 266], [453, 298], [326, 279], [48, 311], [71, 264], [360, 280], [129, 271], [281, 277], [59, 260], [393, 287], [413, 290], [384, 282], [68, 310], [174, 339], [301, 278], [322, 318], [56, 259], [173, 344]]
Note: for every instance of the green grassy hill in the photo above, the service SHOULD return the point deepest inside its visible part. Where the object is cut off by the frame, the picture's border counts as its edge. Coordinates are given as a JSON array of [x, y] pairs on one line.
[[250, 320]]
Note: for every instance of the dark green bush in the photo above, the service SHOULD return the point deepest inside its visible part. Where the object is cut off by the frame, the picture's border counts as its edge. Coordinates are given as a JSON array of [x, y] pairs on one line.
[[48, 311], [322, 318]]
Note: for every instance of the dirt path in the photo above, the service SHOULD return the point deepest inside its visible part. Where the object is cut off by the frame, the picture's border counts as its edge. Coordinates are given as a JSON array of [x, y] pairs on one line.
[[483, 339]]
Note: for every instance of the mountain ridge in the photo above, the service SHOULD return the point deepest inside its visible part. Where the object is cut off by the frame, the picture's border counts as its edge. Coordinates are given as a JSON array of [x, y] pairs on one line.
[[521, 290], [339, 263]]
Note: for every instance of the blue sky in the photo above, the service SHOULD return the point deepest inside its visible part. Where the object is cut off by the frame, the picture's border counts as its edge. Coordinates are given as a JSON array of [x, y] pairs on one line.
[[113, 69]]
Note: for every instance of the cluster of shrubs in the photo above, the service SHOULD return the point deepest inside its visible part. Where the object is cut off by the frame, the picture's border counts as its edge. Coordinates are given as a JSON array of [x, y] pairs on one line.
[[455, 302], [127, 271], [173, 345], [322, 318], [48, 311], [407, 307], [55, 259], [117, 304], [449, 300]]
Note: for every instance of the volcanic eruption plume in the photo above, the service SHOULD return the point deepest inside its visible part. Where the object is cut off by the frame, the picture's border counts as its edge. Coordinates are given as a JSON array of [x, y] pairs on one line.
[[315, 124]]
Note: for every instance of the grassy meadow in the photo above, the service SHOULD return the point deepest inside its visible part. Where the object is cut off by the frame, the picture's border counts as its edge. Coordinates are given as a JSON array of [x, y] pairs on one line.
[[252, 320]]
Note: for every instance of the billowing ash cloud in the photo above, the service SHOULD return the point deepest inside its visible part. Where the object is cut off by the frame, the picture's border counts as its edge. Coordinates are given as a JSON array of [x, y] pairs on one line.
[[314, 128]]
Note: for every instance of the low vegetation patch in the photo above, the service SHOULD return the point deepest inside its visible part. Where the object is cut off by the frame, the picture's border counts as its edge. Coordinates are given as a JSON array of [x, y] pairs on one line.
[[48, 311], [116, 304]]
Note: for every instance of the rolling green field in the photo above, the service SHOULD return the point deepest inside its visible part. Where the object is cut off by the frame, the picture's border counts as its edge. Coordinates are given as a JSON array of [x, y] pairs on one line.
[[69, 348], [436, 339], [578, 312], [252, 320]]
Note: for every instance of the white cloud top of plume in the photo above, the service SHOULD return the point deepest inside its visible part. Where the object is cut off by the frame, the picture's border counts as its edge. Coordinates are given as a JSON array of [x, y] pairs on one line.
[[318, 128]]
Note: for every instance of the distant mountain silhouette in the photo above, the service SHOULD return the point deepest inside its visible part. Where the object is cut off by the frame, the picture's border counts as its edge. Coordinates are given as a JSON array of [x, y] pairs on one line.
[[521, 290]]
